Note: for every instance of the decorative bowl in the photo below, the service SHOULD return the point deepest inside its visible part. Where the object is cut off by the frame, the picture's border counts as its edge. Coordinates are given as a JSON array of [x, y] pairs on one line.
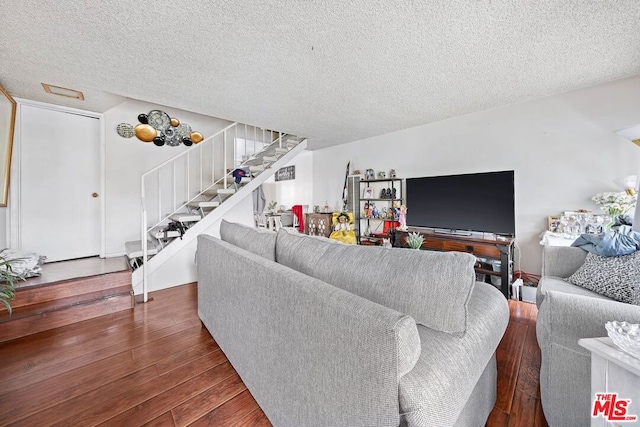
[[626, 336]]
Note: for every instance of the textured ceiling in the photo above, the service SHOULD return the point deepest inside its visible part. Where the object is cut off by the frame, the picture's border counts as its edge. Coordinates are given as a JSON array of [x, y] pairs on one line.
[[331, 70]]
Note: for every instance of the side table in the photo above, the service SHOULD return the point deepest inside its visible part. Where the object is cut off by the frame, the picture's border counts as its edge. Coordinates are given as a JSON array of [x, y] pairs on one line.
[[318, 224], [614, 375]]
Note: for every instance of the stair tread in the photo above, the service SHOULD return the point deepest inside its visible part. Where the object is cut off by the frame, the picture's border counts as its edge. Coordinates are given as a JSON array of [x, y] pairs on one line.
[[166, 235], [134, 249], [185, 217], [204, 204], [228, 190]]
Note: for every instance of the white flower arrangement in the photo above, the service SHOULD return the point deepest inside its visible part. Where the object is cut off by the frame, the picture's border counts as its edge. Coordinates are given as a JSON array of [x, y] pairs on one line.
[[615, 204]]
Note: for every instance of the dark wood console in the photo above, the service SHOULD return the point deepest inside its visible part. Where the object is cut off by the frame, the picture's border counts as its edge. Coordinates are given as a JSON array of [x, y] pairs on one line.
[[484, 248]]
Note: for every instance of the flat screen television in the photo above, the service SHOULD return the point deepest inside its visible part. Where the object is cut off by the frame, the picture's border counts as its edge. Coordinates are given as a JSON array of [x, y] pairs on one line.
[[482, 202]]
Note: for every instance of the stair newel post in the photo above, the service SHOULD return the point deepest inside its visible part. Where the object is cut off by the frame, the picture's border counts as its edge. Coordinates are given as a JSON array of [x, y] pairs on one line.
[[143, 236]]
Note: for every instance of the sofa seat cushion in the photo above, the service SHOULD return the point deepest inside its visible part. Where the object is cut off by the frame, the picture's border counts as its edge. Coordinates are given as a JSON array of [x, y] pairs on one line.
[[432, 287], [616, 277], [436, 391], [558, 284], [257, 240]]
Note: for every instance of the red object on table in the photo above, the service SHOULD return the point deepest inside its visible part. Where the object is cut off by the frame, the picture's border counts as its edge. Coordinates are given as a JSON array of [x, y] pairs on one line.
[[389, 224], [297, 211]]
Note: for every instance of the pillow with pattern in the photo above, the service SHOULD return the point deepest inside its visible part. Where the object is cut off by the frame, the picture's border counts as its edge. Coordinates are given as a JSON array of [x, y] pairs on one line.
[[616, 277]]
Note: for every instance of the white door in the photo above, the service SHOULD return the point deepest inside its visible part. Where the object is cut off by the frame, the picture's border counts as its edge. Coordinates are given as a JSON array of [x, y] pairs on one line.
[[59, 183]]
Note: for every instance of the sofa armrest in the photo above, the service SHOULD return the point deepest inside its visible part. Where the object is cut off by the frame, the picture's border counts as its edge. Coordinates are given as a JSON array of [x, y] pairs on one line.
[[565, 318], [565, 371], [310, 353], [562, 261]]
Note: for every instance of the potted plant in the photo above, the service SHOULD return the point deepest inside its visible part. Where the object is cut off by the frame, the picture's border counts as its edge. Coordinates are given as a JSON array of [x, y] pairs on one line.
[[271, 207], [414, 240], [7, 280]]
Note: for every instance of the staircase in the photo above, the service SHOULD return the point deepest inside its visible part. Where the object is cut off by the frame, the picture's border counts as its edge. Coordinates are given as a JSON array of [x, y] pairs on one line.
[[188, 193]]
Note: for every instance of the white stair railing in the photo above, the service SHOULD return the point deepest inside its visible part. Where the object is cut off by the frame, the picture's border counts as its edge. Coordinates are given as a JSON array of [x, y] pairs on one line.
[[173, 184]]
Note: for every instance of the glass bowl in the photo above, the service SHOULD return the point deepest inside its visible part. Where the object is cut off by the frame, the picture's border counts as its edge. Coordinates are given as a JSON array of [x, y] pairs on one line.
[[626, 336]]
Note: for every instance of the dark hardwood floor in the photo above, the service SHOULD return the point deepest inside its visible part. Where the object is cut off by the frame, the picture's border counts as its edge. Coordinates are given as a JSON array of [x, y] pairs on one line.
[[156, 365]]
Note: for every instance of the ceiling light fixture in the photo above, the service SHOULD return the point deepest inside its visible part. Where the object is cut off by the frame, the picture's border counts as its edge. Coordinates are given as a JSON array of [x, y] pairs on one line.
[[63, 91]]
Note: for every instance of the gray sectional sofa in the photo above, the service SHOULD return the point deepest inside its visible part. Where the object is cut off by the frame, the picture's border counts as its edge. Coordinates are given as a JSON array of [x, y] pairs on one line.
[[566, 314], [326, 334]]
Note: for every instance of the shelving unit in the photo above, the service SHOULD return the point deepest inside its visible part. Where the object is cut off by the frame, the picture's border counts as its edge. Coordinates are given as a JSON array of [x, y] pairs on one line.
[[376, 225]]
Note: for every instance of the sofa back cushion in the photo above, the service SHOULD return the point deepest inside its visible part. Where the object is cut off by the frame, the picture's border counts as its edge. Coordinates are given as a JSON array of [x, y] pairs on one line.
[[259, 241], [432, 287]]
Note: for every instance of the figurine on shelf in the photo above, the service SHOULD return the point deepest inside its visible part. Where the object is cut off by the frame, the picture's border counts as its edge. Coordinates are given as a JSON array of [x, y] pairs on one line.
[[370, 174], [374, 211], [392, 173], [392, 194], [370, 210], [402, 218], [365, 210], [383, 194]]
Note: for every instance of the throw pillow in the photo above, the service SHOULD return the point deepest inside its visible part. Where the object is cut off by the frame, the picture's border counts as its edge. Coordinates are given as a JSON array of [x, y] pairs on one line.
[[616, 277]]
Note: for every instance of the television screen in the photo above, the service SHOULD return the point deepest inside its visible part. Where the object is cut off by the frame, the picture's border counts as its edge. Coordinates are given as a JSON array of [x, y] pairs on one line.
[[472, 202]]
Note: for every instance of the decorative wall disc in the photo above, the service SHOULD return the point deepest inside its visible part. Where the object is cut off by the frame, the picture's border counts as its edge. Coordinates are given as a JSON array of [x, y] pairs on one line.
[[159, 128], [196, 137], [159, 120], [184, 131], [171, 137], [159, 140], [145, 132], [125, 130]]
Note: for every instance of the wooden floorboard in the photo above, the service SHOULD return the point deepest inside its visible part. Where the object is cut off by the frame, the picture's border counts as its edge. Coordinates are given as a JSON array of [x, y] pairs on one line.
[[156, 365]]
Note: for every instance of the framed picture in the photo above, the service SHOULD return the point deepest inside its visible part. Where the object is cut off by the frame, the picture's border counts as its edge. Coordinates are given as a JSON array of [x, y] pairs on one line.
[[7, 120], [553, 222], [368, 193]]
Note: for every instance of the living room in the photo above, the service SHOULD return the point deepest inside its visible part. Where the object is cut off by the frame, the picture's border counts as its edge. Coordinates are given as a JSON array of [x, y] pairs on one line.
[[547, 109]]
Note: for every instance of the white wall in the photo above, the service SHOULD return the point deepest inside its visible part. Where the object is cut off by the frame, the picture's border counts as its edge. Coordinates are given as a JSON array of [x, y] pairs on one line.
[[562, 148], [298, 191], [128, 159]]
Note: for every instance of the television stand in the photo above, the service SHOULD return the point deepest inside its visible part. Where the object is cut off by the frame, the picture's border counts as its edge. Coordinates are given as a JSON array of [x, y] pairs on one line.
[[500, 249], [452, 232]]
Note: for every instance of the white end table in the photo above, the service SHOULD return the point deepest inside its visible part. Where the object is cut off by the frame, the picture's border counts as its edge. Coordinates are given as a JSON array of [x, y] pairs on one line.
[[613, 371]]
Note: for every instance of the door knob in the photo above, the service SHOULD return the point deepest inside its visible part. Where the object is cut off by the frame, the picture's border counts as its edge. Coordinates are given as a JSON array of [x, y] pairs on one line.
[[94, 195]]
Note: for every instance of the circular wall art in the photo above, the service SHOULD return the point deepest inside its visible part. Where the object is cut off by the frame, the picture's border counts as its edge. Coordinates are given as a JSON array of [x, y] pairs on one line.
[[145, 132], [159, 128], [125, 130], [159, 119]]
